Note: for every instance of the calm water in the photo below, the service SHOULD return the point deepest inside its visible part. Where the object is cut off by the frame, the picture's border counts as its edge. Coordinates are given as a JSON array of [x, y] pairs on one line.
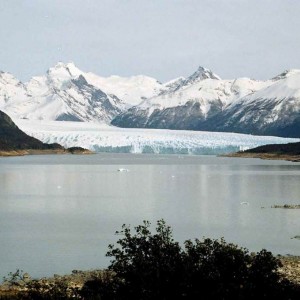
[[59, 213]]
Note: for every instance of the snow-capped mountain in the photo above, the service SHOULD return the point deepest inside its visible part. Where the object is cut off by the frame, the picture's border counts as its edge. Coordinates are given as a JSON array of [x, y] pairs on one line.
[[201, 74], [11, 88], [273, 110], [68, 93], [62, 94], [132, 90], [202, 101], [188, 103]]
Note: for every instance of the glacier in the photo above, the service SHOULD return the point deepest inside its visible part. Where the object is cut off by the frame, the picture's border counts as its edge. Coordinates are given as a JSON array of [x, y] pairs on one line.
[[106, 138]]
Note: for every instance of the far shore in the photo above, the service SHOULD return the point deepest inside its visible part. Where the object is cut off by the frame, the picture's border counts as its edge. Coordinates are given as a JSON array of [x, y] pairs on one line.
[[44, 152], [268, 156]]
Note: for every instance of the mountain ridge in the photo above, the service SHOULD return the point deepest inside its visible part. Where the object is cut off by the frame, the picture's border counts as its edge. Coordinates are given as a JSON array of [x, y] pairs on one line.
[[243, 105], [201, 101]]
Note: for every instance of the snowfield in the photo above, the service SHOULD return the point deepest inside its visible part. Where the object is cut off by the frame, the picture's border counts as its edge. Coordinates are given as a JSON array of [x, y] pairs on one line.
[[105, 138]]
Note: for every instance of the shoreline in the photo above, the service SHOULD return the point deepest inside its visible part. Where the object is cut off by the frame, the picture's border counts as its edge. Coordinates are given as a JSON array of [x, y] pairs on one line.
[[13, 153], [290, 269], [81, 151], [266, 156]]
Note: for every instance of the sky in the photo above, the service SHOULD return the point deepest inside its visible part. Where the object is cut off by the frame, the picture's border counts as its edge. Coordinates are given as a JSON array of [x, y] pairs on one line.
[[164, 39]]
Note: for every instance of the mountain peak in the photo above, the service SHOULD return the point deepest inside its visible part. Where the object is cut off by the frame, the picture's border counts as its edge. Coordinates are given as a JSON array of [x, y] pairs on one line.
[[204, 73], [200, 74], [64, 70], [6, 77], [61, 64], [286, 74]]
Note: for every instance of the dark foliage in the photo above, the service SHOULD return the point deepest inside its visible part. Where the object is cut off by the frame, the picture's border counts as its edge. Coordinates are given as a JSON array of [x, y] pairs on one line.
[[74, 150], [154, 266], [101, 287], [147, 264]]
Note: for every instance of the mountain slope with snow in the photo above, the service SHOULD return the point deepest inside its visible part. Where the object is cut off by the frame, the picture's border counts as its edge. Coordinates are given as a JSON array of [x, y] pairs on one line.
[[209, 103], [11, 89], [190, 103], [67, 93], [273, 110], [62, 94], [132, 90]]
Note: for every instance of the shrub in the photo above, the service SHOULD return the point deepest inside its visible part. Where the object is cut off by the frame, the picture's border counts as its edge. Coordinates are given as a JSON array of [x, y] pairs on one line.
[[14, 278], [215, 268], [154, 266], [44, 290], [104, 286], [148, 265]]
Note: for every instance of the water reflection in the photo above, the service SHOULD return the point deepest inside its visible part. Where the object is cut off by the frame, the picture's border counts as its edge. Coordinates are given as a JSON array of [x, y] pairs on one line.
[[56, 216]]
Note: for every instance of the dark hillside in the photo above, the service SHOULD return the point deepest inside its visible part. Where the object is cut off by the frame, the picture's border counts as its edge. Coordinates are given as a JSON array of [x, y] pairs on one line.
[[290, 149], [12, 138]]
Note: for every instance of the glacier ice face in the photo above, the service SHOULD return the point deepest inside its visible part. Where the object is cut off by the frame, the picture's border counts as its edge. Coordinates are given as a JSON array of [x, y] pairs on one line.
[[104, 138]]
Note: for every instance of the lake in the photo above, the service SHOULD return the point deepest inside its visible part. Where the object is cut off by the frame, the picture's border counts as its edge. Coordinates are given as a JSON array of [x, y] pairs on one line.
[[60, 212]]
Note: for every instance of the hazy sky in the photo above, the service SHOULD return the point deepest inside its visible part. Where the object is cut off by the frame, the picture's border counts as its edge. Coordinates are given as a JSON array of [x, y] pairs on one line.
[[159, 38]]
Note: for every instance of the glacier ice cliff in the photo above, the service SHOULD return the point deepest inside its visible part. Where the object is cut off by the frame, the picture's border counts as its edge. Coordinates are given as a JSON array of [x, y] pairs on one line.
[[104, 138]]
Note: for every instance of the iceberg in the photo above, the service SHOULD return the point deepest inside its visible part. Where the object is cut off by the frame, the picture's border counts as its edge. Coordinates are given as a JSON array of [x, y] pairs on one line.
[[106, 138]]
